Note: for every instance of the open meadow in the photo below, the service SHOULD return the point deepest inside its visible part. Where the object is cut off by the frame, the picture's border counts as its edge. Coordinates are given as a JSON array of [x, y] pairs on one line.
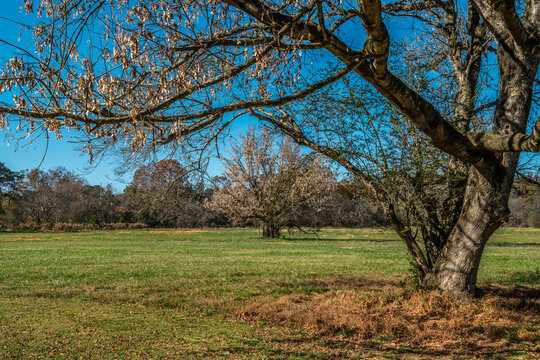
[[182, 294]]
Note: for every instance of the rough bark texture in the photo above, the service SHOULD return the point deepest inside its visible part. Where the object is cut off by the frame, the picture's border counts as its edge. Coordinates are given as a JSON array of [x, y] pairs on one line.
[[485, 206], [457, 266], [269, 231]]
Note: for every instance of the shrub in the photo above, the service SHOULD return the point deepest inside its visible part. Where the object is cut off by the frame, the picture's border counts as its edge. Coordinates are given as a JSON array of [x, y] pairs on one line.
[[45, 226], [137, 226], [534, 220], [29, 225], [68, 227]]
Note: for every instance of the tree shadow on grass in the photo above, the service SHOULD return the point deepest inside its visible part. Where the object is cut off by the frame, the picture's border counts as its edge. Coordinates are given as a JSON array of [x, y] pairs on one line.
[[321, 239], [526, 277], [513, 244], [330, 348], [318, 286], [510, 292]]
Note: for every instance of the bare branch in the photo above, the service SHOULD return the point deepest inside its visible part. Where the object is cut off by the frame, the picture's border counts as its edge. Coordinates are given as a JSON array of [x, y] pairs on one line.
[[248, 104], [508, 142], [528, 178], [505, 23], [404, 6]]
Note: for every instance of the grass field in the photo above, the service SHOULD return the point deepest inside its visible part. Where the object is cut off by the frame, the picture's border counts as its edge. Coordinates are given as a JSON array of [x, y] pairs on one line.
[[173, 294]]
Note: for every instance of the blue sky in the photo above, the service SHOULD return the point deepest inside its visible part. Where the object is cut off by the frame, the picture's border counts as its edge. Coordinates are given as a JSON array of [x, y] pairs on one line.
[[25, 155], [59, 152]]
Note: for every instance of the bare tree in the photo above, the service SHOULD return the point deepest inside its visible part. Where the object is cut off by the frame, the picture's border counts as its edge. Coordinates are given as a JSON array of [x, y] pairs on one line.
[[270, 183], [9, 193], [349, 206], [161, 195], [56, 195], [178, 73], [525, 203]]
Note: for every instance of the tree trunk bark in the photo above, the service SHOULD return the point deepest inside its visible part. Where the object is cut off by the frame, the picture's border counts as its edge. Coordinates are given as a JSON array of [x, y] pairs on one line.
[[269, 231], [484, 210], [485, 204]]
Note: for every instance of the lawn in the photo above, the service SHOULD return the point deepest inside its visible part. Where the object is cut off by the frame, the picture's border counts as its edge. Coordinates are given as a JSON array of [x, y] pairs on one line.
[[181, 294]]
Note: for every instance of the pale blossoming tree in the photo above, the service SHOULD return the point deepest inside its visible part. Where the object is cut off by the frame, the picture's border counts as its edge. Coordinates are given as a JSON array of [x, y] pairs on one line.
[[269, 182]]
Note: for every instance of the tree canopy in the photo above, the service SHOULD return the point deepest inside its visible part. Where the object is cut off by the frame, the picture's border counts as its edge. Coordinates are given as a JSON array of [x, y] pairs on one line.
[[8, 179]]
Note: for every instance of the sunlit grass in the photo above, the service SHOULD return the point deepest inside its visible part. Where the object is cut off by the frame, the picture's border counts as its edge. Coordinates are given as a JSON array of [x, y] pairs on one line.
[[172, 293]]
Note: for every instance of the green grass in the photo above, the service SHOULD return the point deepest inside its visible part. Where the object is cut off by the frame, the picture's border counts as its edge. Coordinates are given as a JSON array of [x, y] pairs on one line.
[[160, 294]]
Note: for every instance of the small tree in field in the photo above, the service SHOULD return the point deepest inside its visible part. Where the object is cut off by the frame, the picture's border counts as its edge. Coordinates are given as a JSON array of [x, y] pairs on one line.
[[269, 182], [56, 195]]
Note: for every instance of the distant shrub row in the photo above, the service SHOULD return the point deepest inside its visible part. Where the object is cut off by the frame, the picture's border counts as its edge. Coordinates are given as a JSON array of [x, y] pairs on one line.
[[32, 226]]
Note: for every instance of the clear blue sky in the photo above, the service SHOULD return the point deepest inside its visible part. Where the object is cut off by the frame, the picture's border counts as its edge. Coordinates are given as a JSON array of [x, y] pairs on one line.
[[62, 152]]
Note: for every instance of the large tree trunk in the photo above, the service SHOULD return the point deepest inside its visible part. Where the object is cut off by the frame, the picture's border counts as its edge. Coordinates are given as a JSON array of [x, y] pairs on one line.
[[484, 211], [269, 231], [485, 205]]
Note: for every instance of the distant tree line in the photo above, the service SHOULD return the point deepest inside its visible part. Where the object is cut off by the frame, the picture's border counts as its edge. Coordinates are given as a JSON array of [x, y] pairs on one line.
[[267, 183], [162, 195], [524, 204]]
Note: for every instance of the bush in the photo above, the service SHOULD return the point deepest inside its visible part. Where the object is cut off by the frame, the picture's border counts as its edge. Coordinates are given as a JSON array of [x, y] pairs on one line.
[[46, 226], [137, 226], [68, 227], [29, 225], [534, 220], [115, 226], [92, 220], [123, 226]]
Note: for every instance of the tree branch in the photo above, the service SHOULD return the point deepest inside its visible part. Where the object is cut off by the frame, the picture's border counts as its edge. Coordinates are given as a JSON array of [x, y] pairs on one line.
[[528, 178], [248, 104], [246, 42], [404, 6], [508, 142], [504, 21], [508, 11]]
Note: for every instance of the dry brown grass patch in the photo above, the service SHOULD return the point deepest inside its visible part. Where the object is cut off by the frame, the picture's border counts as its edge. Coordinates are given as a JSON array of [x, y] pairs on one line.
[[502, 319]]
